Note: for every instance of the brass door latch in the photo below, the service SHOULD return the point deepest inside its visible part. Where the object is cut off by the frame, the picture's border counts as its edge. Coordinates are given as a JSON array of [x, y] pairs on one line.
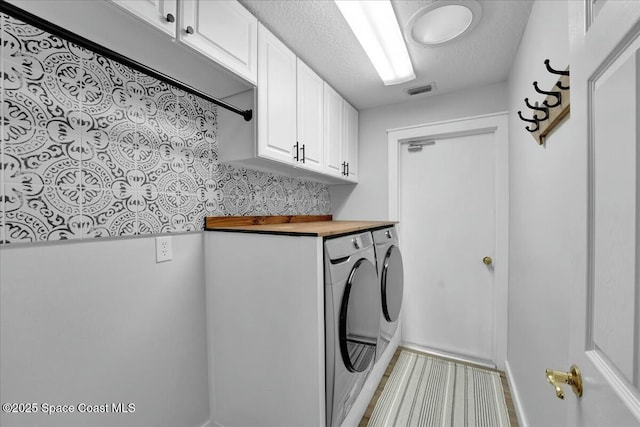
[[573, 378]]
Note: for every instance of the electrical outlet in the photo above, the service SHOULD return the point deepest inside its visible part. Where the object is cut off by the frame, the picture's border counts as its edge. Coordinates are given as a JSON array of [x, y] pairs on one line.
[[164, 249]]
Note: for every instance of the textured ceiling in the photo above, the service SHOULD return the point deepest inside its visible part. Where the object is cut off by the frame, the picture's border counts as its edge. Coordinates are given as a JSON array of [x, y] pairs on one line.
[[316, 31]]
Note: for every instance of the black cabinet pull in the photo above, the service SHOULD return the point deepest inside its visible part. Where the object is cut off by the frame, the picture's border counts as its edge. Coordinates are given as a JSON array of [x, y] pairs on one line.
[[347, 172], [303, 153], [190, 30], [171, 18], [344, 168], [297, 148]]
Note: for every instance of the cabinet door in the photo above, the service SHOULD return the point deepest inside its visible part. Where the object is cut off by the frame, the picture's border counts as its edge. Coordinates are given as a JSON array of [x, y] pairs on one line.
[[310, 117], [276, 98], [224, 31], [159, 13], [351, 141], [333, 132]]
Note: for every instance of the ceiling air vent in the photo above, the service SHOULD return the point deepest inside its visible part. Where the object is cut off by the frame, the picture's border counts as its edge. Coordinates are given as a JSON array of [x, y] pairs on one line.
[[421, 89]]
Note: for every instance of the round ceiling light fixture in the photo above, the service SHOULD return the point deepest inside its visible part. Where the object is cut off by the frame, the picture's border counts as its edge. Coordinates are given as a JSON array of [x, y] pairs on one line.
[[442, 21]]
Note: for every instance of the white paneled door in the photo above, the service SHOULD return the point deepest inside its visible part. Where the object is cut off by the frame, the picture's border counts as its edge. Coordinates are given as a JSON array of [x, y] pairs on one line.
[[448, 222], [605, 110]]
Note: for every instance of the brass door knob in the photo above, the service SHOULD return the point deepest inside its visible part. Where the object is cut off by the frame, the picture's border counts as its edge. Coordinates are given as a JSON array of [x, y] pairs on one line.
[[487, 260], [573, 378]]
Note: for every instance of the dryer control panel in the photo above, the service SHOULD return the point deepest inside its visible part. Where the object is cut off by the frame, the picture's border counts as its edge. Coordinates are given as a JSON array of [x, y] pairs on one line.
[[341, 247]]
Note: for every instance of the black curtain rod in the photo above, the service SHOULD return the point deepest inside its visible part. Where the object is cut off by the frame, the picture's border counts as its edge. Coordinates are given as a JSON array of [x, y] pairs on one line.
[[56, 30]]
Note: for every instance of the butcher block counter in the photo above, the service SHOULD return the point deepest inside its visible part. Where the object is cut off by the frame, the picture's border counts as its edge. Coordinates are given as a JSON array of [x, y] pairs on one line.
[[297, 225]]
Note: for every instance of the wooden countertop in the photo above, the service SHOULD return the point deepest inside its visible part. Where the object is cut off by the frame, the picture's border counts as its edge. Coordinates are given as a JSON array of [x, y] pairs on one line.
[[299, 225]]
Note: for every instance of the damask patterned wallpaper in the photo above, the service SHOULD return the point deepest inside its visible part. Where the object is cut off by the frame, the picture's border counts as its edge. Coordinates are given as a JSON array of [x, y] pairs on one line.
[[92, 148]]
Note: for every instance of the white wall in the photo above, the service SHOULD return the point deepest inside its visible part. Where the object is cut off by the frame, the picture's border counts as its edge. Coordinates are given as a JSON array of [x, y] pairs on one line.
[[547, 229], [100, 322], [369, 199]]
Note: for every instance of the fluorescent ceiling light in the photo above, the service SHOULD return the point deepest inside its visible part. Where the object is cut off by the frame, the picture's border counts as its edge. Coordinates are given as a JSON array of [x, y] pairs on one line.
[[375, 25], [442, 21]]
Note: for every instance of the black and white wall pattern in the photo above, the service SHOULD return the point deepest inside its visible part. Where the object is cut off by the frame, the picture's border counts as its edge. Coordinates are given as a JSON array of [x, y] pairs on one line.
[[91, 148]]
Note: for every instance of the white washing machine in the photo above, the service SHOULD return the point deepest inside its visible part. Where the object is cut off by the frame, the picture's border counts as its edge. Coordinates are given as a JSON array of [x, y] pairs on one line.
[[391, 283], [352, 321]]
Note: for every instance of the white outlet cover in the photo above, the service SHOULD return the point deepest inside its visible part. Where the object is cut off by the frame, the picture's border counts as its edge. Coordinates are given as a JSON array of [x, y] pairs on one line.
[[164, 249]]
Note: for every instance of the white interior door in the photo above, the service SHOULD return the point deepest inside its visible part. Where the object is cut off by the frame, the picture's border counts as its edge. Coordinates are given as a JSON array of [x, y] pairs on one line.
[[605, 98], [447, 214]]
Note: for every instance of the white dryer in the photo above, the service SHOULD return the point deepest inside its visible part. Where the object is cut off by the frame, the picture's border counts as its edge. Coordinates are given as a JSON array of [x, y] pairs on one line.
[[352, 321], [391, 283]]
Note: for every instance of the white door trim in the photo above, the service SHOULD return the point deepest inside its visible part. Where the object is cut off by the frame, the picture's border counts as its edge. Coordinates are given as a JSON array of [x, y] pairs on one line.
[[497, 124]]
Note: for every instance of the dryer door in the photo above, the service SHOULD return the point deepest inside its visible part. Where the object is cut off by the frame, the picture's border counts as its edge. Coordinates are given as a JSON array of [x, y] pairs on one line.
[[359, 319], [392, 284]]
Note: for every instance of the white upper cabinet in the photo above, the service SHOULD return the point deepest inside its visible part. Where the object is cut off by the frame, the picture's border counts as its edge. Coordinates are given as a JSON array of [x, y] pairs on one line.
[[340, 136], [310, 92], [303, 126], [159, 13], [276, 99], [350, 143], [224, 31], [290, 106], [333, 132]]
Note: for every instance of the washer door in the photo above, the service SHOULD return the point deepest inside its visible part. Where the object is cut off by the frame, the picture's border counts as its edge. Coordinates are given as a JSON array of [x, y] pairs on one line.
[[359, 319], [392, 284]]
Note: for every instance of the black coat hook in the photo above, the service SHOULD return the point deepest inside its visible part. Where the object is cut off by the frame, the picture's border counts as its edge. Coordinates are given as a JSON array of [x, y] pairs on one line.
[[552, 71], [561, 86], [557, 95], [535, 121], [544, 110]]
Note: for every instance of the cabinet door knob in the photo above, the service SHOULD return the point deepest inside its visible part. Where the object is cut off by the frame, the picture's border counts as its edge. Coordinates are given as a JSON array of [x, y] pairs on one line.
[[171, 18], [190, 30]]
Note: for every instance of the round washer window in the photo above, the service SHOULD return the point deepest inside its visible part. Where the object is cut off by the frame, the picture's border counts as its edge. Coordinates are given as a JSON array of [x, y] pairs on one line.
[[359, 317]]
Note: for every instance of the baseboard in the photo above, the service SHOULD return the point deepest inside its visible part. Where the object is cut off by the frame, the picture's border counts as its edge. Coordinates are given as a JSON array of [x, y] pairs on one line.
[[460, 358], [522, 420], [212, 423]]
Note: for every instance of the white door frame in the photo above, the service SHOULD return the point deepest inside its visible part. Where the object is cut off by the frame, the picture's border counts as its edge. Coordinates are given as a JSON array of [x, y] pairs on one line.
[[493, 123]]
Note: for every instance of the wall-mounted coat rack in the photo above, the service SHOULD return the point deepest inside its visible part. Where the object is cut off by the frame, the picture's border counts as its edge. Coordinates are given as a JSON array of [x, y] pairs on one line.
[[554, 108]]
